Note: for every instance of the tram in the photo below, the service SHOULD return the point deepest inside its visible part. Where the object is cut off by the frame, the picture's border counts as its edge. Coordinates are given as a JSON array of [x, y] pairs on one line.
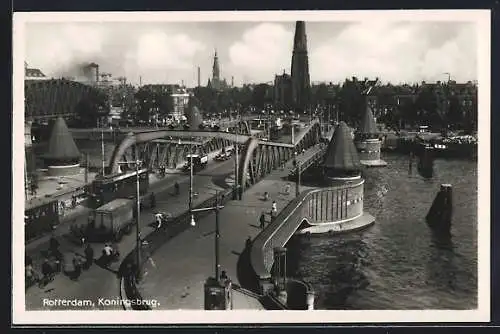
[[109, 188], [40, 219]]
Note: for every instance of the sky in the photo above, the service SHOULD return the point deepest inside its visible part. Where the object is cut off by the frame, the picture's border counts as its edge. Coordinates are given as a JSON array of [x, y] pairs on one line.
[[253, 52]]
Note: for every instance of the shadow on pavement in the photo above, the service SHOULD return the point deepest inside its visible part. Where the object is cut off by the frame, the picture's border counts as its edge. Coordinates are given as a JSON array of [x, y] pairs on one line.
[[246, 274]]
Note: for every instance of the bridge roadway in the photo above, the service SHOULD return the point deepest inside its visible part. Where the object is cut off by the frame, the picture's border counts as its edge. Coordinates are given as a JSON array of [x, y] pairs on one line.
[[178, 269], [144, 137], [98, 282]]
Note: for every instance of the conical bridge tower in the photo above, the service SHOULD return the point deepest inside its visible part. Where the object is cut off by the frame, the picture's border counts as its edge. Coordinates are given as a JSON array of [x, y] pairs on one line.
[[368, 142]]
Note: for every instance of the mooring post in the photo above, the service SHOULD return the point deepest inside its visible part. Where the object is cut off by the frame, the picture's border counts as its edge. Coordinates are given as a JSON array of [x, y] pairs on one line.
[[440, 213]]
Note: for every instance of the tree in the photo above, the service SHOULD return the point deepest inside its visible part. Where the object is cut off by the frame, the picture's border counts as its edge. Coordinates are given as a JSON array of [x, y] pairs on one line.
[[91, 108], [261, 95], [206, 96], [33, 183], [351, 101]]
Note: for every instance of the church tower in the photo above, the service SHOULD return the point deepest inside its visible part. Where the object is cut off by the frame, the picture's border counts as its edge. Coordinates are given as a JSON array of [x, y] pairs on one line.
[[216, 72], [301, 84]]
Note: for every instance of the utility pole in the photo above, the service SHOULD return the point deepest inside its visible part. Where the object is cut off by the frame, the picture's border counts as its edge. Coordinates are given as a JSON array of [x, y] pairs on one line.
[[236, 148], [190, 178], [138, 164], [86, 168], [297, 171], [102, 152], [26, 182], [215, 208]]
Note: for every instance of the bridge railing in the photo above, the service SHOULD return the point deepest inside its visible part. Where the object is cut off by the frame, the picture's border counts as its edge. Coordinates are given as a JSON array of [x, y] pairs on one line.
[[279, 231]]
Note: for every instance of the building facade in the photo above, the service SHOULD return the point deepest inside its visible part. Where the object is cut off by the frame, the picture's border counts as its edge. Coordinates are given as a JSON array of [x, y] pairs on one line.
[[283, 95]]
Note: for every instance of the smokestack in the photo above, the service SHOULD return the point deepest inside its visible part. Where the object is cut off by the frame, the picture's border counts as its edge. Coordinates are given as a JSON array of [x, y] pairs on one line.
[[199, 77], [232, 81]]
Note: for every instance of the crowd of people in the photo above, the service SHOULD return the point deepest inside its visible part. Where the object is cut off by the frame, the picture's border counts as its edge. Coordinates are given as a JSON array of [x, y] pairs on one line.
[[69, 264]]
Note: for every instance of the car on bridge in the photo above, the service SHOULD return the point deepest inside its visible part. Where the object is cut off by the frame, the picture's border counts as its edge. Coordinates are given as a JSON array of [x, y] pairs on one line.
[[224, 155]]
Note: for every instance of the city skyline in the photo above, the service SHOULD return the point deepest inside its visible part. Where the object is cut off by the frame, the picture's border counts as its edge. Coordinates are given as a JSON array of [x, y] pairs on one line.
[[253, 52]]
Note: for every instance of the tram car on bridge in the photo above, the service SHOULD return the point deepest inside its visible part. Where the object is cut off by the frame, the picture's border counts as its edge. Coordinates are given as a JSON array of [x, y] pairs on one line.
[[40, 219], [108, 188], [199, 162]]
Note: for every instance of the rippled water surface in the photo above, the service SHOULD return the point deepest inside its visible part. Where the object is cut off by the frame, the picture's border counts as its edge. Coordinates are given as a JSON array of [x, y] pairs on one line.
[[397, 263]]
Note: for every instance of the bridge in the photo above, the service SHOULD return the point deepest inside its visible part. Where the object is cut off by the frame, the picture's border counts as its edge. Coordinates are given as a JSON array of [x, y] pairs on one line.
[[257, 158], [49, 99], [225, 125]]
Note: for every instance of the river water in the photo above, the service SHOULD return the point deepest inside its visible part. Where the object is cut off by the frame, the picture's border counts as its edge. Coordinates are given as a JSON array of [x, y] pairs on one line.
[[397, 263]]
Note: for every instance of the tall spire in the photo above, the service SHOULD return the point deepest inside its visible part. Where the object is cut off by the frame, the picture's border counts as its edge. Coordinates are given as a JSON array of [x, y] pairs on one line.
[[216, 69], [301, 83]]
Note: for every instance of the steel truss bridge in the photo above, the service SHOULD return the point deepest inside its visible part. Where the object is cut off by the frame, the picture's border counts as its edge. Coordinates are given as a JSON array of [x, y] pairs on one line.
[[169, 148], [49, 99]]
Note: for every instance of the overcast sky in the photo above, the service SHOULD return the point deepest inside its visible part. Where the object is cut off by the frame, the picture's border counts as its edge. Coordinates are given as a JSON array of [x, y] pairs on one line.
[[253, 52]]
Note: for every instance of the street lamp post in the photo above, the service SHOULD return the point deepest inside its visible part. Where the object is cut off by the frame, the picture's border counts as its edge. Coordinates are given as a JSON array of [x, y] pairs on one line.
[[297, 171], [190, 178], [215, 208], [137, 164], [236, 147]]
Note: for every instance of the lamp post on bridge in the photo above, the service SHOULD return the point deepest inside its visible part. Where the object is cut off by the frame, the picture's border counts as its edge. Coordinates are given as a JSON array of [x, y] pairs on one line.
[[216, 208], [236, 149], [137, 164], [298, 167]]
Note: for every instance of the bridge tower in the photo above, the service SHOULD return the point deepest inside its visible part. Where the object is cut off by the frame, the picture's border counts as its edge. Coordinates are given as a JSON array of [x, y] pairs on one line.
[[337, 206], [368, 142], [194, 118], [341, 161], [63, 156]]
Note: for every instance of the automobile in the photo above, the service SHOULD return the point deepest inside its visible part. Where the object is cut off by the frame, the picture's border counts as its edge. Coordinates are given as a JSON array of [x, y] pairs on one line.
[[224, 155]]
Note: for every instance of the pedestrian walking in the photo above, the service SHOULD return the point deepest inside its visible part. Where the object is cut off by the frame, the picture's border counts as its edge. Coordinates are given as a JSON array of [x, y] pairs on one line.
[[159, 219], [47, 272], [266, 196], [77, 268], [153, 200], [248, 242], [262, 220], [89, 256], [287, 189], [53, 244], [274, 208], [274, 211], [177, 188]]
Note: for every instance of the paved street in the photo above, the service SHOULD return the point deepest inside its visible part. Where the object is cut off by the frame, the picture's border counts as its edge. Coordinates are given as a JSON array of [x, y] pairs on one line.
[[102, 283], [177, 271]]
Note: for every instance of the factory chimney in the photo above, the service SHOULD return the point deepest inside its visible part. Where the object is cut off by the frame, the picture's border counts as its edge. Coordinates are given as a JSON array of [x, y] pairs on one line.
[[199, 77]]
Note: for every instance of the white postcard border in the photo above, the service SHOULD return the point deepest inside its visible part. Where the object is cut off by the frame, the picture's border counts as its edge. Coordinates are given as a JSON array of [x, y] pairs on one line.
[[482, 314]]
